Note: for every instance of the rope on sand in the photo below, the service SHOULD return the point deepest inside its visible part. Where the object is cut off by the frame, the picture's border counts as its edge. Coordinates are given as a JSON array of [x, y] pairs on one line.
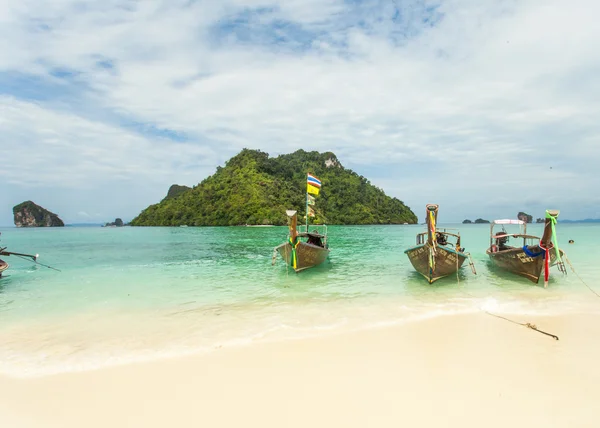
[[524, 324], [533, 326]]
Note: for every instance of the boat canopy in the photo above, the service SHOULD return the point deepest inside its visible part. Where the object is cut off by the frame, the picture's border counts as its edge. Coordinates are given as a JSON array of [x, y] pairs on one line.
[[508, 221]]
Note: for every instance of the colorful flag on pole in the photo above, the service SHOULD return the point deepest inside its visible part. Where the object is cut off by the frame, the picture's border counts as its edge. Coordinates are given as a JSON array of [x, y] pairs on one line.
[[313, 184], [311, 212], [311, 200]]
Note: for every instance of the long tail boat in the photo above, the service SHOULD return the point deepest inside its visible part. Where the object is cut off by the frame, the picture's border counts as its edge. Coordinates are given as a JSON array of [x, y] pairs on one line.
[[303, 250], [3, 252], [438, 252], [313, 250], [531, 255]]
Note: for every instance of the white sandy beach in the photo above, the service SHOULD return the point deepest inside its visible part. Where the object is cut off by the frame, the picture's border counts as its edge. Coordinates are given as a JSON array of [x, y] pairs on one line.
[[462, 371]]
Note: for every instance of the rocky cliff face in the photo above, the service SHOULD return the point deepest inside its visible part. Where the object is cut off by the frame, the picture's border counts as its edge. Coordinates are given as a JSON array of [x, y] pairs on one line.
[[527, 218], [29, 214], [118, 222]]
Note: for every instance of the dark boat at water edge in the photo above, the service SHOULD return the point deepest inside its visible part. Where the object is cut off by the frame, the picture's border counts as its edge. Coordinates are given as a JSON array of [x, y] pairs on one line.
[[532, 254], [438, 252], [299, 254]]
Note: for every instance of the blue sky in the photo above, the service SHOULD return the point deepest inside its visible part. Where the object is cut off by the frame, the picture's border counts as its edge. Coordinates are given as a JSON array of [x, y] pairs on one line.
[[487, 107]]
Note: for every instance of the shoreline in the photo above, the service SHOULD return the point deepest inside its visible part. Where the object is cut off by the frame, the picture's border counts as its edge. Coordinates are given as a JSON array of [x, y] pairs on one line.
[[461, 370], [106, 340]]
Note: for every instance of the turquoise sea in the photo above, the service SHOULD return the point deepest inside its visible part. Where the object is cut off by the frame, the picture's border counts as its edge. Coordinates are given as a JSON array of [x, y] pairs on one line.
[[133, 294]]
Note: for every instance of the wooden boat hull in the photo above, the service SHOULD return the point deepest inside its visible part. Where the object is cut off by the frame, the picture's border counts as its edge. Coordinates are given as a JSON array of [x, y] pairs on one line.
[[3, 266], [516, 261], [307, 255], [447, 261]]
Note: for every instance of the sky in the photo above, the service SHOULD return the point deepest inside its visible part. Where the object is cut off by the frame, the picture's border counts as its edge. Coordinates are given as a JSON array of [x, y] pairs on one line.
[[486, 107]]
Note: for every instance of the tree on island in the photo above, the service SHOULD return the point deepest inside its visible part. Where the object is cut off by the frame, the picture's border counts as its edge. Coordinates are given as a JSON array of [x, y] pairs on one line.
[[176, 190], [481, 221], [467, 221], [253, 188]]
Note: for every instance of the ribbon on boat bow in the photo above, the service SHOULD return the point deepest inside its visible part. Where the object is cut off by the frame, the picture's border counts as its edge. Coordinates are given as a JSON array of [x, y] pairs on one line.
[[554, 239], [294, 243], [554, 244]]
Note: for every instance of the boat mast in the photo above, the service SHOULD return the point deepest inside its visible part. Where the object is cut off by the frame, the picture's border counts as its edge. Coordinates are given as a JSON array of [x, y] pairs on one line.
[[307, 205]]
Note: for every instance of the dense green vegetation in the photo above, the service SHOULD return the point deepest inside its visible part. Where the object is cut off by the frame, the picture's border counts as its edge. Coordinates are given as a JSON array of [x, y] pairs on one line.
[[176, 190], [253, 188]]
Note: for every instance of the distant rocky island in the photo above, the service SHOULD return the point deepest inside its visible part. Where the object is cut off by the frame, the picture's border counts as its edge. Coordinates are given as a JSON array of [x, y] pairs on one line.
[[118, 223], [587, 220], [478, 221], [525, 217], [29, 214], [255, 189]]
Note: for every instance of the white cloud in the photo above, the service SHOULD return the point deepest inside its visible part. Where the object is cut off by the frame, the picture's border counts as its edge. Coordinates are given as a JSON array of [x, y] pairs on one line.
[[64, 150], [456, 100]]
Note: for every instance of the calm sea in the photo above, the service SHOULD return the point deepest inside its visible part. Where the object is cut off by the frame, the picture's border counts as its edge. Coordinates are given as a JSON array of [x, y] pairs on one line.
[[131, 294]]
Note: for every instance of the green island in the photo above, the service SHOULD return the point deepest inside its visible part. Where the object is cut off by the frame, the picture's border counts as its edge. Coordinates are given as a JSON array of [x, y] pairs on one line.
[[255, 189]]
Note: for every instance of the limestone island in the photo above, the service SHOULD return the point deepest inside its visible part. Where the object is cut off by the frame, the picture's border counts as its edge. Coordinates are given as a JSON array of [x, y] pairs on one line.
[[478, 221], [29, 214], [527, 218], [117, 223], [255, 189]]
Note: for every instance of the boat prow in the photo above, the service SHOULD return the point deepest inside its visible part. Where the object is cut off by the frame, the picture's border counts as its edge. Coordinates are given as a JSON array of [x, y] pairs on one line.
[[438, 252], [529, 256], [447, 261], [307, 255]]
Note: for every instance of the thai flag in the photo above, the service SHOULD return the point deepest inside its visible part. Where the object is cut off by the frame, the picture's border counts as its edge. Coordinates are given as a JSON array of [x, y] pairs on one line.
[[313, 181]]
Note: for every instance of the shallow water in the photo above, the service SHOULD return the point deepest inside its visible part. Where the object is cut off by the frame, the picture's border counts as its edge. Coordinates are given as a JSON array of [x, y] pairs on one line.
[[130, 294]]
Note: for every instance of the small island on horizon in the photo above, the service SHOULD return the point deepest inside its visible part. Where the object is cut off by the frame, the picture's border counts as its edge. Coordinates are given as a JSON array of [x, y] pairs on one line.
[[117, 223], [478, 221]]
